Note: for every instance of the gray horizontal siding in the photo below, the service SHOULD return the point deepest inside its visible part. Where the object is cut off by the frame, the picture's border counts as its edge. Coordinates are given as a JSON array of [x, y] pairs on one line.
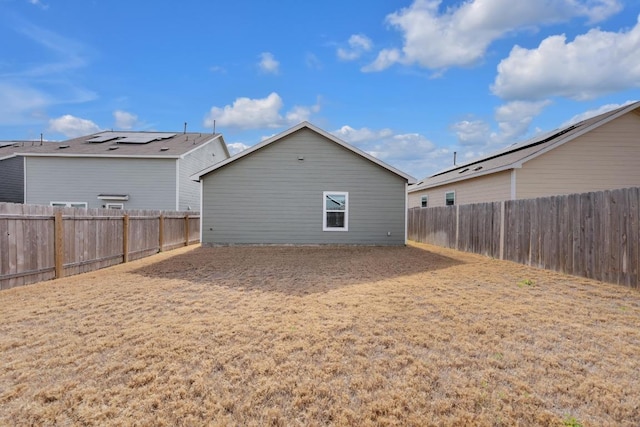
[[12, 180], [202, 158], [271, 197], [150, 183]]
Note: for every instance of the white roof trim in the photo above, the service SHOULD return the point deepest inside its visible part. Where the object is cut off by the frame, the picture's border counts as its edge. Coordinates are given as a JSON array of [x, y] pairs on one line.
[[518, 163], [135, 156], [305, 124], [217, 137]]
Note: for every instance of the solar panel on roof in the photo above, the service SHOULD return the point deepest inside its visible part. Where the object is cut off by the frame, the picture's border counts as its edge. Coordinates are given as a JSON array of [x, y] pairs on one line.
[[144, 138], [102, 138], [136, 140]]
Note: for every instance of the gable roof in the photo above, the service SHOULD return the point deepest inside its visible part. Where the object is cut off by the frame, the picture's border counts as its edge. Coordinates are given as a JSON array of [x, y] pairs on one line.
[[515, 155], [116, 144], [302, 125]]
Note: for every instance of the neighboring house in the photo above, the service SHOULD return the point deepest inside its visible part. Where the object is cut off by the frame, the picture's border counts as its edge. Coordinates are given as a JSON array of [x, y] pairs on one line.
[[599, 153], [118, 170], [11, 172], [303, 186]]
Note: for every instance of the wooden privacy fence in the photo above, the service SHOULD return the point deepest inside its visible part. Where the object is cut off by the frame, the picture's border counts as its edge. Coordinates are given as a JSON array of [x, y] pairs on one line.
[[42, 242], [594, 235]]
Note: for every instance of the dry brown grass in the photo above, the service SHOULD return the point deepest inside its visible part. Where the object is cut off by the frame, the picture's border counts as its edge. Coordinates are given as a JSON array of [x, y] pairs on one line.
[[317, 336]]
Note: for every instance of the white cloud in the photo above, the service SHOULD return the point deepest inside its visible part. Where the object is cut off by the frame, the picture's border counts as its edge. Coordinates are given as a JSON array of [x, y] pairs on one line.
[[218, 69], [358, 44], [355, 136], [312, 61], [247, 113], [44, 6], [72, 127], [513, 119], [20, 103], [268, 63], [460, 36], [472, 132], [125, 120], [593, 64], [410, 152], [236, 147], [595, 112]]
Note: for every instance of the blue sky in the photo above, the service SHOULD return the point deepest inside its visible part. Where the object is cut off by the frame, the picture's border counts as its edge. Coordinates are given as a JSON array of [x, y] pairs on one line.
[[407, 81]]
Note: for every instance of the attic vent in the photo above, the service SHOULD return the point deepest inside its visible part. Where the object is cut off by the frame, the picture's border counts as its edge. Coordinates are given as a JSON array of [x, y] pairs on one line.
[[478, 168], [421, 182], [63, 146], [464, 170], [164, 148], [113, 147]]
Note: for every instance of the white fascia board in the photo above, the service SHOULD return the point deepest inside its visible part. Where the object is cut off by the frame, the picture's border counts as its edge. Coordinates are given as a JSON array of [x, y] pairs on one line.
[[466, 178], [201, 211], [8, 156], [108, 156], [209, 141], [24, 178], [177, 184]]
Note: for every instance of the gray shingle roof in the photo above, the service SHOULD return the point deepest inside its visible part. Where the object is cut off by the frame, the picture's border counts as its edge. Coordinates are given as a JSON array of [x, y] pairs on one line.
[[516, 154], [116, 144]]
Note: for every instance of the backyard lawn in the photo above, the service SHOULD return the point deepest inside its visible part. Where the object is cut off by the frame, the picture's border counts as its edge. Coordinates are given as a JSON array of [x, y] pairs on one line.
[[414, 335]]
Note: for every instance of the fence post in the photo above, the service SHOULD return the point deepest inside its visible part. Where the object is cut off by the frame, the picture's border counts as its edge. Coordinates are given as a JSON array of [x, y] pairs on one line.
[[186, 229], [59, 244], [161, 232], [125, 238], [457, 225]]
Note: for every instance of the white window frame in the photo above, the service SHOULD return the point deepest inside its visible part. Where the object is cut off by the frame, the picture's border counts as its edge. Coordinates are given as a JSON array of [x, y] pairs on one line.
[[114, 206], [454, 198], [324, 210], [424, 201], [69, 204]]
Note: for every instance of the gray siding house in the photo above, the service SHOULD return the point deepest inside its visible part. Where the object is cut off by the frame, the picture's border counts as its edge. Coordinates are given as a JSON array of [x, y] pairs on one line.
[[11, 174], [121, 170], [303, 186]]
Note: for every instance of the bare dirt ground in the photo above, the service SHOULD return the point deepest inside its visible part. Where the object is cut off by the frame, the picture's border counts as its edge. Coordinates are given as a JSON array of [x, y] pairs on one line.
[[320, 336]]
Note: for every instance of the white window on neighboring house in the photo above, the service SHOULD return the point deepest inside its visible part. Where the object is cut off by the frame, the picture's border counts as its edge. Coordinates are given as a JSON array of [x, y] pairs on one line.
[[450, 198], [335, 211], [69, 204], [114, 206], [424, 201]]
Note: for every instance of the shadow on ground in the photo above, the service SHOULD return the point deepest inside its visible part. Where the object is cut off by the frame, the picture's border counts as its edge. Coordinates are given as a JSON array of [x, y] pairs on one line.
[[295, 270]]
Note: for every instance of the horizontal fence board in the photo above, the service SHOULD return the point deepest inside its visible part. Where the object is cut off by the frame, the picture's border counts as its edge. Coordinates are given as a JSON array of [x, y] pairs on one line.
[[594, 235], [91, 239]]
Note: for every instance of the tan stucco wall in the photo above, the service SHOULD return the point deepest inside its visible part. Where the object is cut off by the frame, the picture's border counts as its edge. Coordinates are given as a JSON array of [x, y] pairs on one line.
[[605, 158]]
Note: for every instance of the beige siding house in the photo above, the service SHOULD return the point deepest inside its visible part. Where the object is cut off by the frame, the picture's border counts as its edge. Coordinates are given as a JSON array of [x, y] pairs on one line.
[[600, 153]]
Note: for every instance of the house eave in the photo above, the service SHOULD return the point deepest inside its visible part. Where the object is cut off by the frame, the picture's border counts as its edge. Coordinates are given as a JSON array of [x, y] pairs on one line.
[[121, 156], [466, 178], [198, 175]]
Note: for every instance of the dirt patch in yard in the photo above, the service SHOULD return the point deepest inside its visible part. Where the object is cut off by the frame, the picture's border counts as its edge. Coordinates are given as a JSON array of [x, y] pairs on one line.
[[320, 335]]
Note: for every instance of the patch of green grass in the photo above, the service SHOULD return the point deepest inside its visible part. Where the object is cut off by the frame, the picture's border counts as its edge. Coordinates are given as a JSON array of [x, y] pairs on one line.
[[571, 421], [526, 282]]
